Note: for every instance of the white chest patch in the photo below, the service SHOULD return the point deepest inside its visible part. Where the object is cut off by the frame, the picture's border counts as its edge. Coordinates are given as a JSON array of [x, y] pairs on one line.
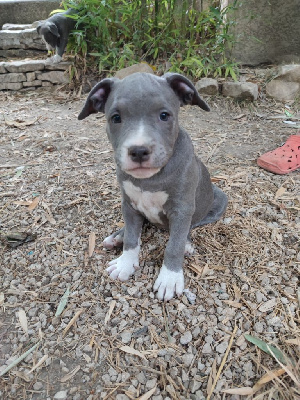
[[148, 203]]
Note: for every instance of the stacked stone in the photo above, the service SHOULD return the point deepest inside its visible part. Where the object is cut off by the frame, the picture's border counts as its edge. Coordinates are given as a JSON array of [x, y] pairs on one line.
[[16, 75], [20, 41]]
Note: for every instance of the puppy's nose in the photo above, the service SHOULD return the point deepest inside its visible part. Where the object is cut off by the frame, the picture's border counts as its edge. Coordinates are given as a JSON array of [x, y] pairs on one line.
[[139, 153]]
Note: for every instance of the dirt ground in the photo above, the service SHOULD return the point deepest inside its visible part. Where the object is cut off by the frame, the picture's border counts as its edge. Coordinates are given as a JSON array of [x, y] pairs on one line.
[[115, 340]]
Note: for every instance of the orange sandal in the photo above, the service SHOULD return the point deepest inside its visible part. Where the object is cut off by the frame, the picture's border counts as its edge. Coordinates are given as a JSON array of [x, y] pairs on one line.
[[284, 159]]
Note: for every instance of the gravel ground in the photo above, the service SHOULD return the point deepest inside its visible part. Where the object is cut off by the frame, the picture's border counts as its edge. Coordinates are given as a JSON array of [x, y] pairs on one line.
[[115, 340]]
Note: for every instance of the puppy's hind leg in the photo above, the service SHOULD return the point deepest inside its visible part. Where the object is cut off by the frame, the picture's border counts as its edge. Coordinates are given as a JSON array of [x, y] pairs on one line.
[[218, 207], [114, 240]]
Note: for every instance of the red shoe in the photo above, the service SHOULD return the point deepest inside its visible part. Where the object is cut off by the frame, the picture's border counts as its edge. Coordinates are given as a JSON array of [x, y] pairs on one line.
[[284, 159]]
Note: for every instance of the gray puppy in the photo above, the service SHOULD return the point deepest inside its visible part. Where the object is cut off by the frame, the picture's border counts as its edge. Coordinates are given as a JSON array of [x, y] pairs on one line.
[[161, 178], [55, 33]]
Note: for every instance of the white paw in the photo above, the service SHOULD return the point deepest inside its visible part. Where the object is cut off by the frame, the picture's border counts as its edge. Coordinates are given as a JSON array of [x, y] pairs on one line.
[[112, 241], [168, 283], [124, 266], [189, 249], [54, 60]]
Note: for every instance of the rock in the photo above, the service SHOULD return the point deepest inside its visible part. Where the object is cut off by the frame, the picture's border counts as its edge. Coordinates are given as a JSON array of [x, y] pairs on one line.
[[62, 395], [21, 39], [53, 77], [141, 378], [14, 77], [286, 84], [240, 90], [122, 397], [221, 348], [151, 383], [2, 68], [62, 66], [25, 66], [126, 337], [206, 349], [281, 90], [289, 73], [207, 86], [11, 86], [195, 385], [186, 338], [141, 67], [38, 386], [30, 76], [187, 359], [16, 27], [32, 83]]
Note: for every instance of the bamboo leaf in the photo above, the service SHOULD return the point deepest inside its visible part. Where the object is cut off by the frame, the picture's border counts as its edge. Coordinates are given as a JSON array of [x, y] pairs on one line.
[[62, 303], [19, 359], [265, 347]]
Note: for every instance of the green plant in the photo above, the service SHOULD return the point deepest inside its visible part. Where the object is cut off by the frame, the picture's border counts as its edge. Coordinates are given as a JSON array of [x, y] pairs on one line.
[[119, 34]]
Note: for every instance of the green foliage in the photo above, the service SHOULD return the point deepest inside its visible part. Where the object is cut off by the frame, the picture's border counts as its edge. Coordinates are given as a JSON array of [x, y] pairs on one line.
[[119, 34]]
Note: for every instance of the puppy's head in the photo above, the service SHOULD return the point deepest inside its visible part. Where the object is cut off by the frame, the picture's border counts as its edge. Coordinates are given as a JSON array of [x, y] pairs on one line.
[[142, 118], [49, 32]]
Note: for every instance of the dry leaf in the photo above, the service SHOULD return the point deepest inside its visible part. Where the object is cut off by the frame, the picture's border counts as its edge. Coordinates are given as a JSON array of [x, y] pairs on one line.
[[23, 320], [147, 395], [40, 362], [269, 376], [111, 307], [244, 391], [70, 374], [212, 377], [73, 320], [92, 241], [280, 192], [22, 203], [19, 123], [22, 375], [295, 341], [33, 204], [131, 350], [268, 305], [1, 298], [239, 116], [233, 303]]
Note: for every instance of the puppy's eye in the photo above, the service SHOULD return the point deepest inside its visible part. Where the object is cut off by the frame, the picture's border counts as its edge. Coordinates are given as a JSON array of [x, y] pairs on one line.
[[164, 116], [116, 119]]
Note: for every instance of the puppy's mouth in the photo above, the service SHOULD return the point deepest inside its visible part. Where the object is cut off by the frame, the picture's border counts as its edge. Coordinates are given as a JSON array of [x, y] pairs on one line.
[[141, 172]]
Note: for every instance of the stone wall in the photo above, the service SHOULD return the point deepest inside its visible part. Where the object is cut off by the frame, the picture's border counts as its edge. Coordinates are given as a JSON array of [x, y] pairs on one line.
[[16, 75], [25, 11], [21, 41], [266, 31]]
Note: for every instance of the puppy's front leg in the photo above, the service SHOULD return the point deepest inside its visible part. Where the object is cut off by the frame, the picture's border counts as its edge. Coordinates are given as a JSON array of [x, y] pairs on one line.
[[124, 266], [170, 280]]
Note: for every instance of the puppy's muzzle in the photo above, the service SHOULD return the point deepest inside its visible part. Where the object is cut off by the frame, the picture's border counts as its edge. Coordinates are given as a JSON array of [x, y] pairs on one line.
[[139, 154]]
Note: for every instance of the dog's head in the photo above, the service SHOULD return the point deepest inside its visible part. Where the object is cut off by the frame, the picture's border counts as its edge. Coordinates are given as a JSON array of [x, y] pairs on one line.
[[142, 117], [49, 32]]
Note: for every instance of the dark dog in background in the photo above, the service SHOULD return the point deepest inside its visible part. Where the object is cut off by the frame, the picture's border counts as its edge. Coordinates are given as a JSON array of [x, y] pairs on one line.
[[55, 33]]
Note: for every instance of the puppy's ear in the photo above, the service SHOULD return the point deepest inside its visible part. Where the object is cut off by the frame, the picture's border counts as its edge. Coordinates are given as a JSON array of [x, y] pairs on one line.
[[53, 29], [97, 98], [185, 90]]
